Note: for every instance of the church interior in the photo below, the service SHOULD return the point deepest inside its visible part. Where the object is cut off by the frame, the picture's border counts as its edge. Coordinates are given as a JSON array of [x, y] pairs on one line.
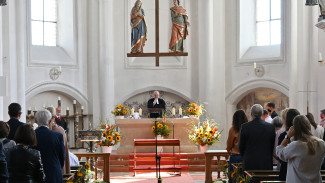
[[101, 65]]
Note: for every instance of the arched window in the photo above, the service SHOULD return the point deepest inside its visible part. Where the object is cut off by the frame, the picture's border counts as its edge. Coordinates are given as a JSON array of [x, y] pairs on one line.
[[44, 22], [268, 22]]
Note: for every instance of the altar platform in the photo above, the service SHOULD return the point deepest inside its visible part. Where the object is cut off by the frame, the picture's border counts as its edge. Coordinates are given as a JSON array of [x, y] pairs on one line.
[[131, 129]]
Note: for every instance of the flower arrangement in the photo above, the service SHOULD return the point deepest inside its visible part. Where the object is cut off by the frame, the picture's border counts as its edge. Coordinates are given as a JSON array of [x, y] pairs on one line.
[[120, 110], [239, 175], [206, 134], [162, 127], [194, 109], [110, 136]]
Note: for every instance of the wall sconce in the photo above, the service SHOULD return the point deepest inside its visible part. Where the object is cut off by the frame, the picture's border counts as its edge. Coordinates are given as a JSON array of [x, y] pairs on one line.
[[320, 59], [3, 3], [55, 73], [259, 70]]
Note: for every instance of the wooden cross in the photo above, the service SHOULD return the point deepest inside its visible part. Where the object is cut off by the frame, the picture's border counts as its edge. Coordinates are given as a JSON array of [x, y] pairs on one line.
[[157, 54]]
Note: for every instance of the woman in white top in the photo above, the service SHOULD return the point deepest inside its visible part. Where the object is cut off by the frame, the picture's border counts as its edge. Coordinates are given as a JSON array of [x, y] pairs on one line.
[[304, 155], [316, 130]]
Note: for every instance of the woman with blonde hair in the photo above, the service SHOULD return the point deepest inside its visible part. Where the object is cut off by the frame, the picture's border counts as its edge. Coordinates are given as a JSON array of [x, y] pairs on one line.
[[304, 155], [55, 127]]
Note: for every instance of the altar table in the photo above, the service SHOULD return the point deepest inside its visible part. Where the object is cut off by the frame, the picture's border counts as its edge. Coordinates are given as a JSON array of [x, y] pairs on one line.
[[131, 129]]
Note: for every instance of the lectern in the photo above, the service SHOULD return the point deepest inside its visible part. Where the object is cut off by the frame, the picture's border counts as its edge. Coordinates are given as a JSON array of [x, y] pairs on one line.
[[155, 112]]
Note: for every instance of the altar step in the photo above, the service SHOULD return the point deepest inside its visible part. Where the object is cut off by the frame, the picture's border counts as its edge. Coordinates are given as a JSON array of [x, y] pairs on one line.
[[189, 161]]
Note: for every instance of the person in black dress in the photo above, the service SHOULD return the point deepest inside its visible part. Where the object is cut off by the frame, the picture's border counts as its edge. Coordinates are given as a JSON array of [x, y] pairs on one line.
[[156, 102]]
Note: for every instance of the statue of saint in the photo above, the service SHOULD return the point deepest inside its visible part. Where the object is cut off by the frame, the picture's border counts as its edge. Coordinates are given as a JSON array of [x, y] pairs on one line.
[[179, 27], [139, 28]]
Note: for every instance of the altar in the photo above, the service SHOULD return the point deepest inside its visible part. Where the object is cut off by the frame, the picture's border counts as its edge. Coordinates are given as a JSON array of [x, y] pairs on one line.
[[131, 129]]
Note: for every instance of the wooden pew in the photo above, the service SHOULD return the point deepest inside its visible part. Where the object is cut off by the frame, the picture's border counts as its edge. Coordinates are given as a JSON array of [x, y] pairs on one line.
[[271, 176], [208, 158]]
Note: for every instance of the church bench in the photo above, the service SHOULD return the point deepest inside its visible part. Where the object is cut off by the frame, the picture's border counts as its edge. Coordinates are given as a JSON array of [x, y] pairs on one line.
[[208, 159], [268, 175], [95, 157], [67, 177]]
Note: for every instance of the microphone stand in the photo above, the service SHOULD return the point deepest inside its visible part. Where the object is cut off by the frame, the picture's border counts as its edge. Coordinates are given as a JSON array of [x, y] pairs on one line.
[[158, 158]]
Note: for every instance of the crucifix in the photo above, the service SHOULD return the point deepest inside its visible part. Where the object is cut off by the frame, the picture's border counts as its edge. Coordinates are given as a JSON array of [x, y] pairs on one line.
[[308, 92], [157, 54]]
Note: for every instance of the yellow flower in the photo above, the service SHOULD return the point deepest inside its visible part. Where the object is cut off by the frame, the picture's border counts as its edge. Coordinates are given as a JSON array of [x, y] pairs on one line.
[[206, 135], [166, 126], [157, 122], [209, 140], [87, 166], [160, 126], [199, 138], [241, 181], [109, 138], [80, 174], [211, 131], [190, 110], [232, 174], [120, 106], [201, 134], [194, 110], [116, 133], [118, 138], [124, 112], [153, 128]]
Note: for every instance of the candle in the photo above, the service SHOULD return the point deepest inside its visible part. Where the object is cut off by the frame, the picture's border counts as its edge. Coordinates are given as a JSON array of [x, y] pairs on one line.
[[60, 68], [74, 102], [180, 111], [173, 111], [35, 109], [43, 105], [29, 108], [82, 107], [320, 57], [59, 98], [132, 111], [254, 65], [140, 112], [67, 108]]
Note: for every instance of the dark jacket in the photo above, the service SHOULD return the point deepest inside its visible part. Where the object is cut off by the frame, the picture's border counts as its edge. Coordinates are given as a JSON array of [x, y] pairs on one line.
[[161, 105], [13, 124], [274, 114], [284, 165], [52, 149], [256, 144], [61, 122], [3, 166], [24, 165]]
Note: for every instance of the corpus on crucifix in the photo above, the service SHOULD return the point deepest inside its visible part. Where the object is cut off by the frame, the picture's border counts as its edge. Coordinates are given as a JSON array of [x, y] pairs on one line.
[[141, 32]]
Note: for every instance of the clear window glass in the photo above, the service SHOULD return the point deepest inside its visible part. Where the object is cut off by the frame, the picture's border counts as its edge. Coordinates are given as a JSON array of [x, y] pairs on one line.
[[44, 22], [268, 22]]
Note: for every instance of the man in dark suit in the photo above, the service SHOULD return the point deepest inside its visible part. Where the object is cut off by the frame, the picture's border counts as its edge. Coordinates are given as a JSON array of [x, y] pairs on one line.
[[156, 102], [271, 109], [256, 142], [51, 146], [14, 111], [59, 120], [3, 166]]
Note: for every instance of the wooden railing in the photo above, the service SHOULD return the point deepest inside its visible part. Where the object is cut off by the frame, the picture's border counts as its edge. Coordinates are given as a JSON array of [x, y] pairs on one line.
[[96, 157], [208, 158]]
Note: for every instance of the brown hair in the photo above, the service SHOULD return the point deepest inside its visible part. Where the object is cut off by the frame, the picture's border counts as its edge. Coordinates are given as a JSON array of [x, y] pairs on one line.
[[25, 134], [4, 129], [311, 119], [284, 114], [303, 132]]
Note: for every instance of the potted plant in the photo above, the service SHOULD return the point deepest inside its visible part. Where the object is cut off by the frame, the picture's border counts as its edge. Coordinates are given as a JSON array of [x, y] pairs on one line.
[[110, 137], [194, 110], [205, 134], [120, 111]]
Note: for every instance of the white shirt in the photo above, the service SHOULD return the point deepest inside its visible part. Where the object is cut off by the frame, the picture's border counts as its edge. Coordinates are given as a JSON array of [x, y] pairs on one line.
[[268, 119], [302, 167], [318, 132]]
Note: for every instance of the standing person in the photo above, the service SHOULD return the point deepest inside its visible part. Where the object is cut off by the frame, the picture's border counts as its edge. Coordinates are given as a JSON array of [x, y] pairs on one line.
[[139, 28], [24, 163], [266, 117], [270, 108], [277, 134], [51, 146], [179, 27], [3, 166], [156, 102], [14, 111], [322, 117], [256, 142], [56, 128], [304, 155], [4, 132], [316, 130], [291, 114], [59, 120], [238, 119]]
